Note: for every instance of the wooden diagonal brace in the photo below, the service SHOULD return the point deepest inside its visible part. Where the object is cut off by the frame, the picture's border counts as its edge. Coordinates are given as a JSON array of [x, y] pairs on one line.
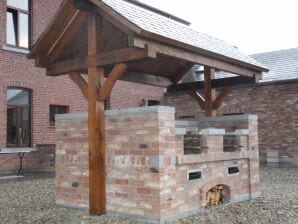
[[108, 85], [219, 99], [199, 98], [80, 82]]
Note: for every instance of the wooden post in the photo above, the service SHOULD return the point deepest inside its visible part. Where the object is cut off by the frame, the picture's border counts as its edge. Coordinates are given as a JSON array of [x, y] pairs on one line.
[[96, 136], [209, 92]]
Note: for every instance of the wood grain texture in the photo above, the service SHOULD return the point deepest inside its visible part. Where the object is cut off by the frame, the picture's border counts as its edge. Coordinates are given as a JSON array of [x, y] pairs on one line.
[[97, 197], [108, 85], [208, 91]]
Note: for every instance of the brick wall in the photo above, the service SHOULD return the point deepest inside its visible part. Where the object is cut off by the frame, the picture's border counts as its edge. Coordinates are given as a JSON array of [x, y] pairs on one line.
[[275, 106], [147, 171]]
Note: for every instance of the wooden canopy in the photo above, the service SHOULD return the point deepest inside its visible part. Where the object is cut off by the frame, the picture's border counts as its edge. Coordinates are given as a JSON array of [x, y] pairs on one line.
[[92, 37]]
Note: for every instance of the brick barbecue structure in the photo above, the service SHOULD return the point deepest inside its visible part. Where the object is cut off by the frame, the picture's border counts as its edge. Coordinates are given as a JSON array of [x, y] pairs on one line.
[[141, 162], [149, 176]]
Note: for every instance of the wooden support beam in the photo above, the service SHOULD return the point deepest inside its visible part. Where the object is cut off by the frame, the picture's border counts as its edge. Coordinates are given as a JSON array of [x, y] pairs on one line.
[[108, 85], [147, 79], [80, 82], [209, 92], [199, 98], [219, 99], [97, 60], [216, 83], [96, 135]]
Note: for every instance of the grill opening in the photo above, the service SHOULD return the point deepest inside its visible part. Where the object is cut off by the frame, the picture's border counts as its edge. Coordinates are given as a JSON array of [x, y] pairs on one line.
[[194, 175], [193, 143], [233, 169], [217, 195], [231, 143]]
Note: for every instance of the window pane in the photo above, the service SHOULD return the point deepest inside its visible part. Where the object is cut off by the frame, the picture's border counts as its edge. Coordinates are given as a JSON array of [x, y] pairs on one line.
[[17, 97], [24, 30], [11, 28], [21, 4], [11, 126], [24, 126]]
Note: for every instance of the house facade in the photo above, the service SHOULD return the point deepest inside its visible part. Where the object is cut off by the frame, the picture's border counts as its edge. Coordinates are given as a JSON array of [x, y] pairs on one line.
[[274, 100], [29, 99]]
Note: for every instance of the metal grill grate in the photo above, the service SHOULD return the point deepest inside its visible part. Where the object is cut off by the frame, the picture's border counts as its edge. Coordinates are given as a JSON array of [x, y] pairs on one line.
[[193, 143], [230, 143]]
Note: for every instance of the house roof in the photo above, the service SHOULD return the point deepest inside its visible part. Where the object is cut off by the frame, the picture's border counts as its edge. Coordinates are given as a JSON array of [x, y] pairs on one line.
[[154, 23], [283, 65]]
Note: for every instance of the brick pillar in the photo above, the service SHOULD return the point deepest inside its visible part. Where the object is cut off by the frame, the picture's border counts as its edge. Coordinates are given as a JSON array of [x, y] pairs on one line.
[[253, 147], [141, 158]]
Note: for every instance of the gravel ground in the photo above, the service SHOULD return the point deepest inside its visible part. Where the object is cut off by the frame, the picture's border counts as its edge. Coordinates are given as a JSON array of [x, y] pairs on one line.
[[31, 200]]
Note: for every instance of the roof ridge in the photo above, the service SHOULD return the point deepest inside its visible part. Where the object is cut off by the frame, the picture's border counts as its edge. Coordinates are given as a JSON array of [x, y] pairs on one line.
[[275, 51]]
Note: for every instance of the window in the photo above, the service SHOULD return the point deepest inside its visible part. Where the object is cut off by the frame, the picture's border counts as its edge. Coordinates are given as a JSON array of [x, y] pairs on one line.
[[18, 23], [56, 109], [18, 117]]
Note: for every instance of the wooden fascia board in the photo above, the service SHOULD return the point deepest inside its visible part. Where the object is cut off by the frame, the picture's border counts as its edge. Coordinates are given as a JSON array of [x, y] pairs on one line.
[[57, 24], [115, 18], [145, 35], [195, 58], [101, 59]]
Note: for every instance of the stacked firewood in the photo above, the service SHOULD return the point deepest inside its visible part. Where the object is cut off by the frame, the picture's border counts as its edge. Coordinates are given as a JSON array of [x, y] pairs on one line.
[[215, 196]]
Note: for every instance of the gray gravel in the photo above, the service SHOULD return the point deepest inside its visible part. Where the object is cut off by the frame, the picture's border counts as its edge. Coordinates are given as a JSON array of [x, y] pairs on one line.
[[31, 200]]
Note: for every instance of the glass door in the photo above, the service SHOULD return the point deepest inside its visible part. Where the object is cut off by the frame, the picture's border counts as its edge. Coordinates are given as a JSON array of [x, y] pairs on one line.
[[18, 118]]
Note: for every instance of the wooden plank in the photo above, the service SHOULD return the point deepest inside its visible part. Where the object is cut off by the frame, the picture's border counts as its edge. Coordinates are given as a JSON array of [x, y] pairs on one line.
[[199, 98], [146, 35], [219, 99], [116, 19], [208, 92], [216, 83], [65, 37], [97, 60], [97, 198], [58, 23], [147, 79], [108, 85], [197, 58], [80, 82]]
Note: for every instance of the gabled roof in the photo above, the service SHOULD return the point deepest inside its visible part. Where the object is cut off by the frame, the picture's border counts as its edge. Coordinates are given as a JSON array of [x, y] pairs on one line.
[[160, 25], [283, 65]]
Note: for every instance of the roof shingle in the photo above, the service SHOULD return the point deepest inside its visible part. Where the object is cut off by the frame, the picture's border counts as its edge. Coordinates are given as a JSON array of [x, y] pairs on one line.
[[160, 25]]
